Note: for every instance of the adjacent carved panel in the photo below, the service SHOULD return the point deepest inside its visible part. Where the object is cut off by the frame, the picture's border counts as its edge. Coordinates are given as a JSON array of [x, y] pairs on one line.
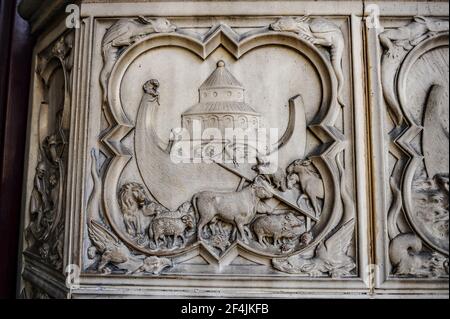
[[418, 219]]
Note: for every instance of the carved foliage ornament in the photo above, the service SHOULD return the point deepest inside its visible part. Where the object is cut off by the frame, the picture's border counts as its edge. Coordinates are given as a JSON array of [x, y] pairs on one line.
[[271, 212], [419, 144]]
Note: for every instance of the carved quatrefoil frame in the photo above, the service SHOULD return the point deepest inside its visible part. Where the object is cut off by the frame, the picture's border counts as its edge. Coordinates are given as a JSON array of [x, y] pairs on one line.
[[237, 46], [413, 130]]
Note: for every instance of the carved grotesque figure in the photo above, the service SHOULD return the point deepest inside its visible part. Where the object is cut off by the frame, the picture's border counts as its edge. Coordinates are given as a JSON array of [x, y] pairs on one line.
[[321, 32], [408, 258], [330, 256], [110, 248], [40, 201], [154, 265]]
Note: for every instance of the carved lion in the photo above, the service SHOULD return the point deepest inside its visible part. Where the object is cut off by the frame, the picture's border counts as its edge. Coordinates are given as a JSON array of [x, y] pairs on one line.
[[132, 198]]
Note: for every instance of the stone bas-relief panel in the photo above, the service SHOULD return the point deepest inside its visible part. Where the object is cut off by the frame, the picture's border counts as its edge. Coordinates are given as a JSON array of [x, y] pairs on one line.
[[135, 185], [167, 201], [418, 136]]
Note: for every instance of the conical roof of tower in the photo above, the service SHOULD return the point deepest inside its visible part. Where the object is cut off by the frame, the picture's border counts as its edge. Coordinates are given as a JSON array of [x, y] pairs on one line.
[[221, 108], [221, 78], [221, 93]]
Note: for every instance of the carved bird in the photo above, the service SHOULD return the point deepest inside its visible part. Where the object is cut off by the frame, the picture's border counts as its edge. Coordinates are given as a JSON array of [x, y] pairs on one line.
[[111, 249], [333, 252], [330, 256]]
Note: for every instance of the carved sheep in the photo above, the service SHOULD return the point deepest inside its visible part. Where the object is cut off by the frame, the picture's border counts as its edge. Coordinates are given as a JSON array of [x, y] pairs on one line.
[[166, 226], [278, 227]]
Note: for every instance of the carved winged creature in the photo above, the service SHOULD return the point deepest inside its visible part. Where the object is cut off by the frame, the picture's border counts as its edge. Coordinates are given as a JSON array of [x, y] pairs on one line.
[[320, 32], [122, 34], [330, 256], [412, 34], [108, 245]]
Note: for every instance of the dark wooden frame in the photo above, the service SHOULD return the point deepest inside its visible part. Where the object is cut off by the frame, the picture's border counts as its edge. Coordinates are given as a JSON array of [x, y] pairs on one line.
[[16, 46]]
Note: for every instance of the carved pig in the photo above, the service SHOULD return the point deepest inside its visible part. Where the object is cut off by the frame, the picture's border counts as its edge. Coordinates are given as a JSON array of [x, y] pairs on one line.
[[278, 227]]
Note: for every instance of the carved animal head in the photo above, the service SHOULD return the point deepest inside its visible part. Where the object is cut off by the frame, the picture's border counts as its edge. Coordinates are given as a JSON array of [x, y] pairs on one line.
[[434, 25], [262, 188], [151, 86], [158, 25], [155, 264], [292, 221], [188, 220], [306, 238], [92, 252], [298, 265], [132, 197], [292, 24], [298, 166]]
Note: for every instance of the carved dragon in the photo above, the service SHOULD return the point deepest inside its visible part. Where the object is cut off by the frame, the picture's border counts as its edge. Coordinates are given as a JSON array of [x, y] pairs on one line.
[[123, 34], [397, 43], [319, 32]]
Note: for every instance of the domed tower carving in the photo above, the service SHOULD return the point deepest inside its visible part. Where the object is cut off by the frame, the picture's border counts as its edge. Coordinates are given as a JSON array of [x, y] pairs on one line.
[[222, 105]]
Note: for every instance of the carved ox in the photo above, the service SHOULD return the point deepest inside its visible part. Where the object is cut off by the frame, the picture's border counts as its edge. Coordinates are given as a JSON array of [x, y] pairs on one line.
[[238, 208]]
